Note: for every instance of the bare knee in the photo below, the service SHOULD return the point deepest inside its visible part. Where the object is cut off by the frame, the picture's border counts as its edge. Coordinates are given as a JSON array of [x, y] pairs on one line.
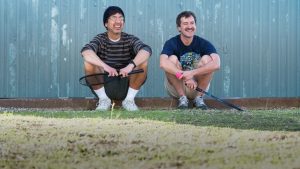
[[138, 79], [205, 59], [91, 69], [143, 65], [174, 59]]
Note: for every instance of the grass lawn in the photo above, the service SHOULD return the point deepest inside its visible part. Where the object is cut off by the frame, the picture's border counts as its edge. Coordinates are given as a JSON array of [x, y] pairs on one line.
[[150, 139]]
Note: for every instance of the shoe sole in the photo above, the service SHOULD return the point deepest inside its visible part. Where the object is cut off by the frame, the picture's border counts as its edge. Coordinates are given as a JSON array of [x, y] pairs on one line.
[[202, 107], [183, 107]]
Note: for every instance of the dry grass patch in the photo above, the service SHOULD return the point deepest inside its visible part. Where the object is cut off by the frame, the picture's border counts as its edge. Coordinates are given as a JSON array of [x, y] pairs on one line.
[[37, 142]]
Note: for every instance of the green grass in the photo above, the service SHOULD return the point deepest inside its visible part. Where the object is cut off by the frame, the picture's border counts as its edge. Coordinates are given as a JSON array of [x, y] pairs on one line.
[[277, 119], [150, 139]]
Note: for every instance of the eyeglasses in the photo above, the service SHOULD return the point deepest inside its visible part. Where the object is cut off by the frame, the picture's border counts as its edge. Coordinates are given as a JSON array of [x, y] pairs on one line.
[[114, 18]]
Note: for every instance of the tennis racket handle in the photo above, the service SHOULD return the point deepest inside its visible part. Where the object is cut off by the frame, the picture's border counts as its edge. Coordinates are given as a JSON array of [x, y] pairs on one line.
[[136, 71]]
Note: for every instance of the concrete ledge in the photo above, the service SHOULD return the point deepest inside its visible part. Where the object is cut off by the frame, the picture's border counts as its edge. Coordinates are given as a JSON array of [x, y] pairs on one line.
[[145, 103]]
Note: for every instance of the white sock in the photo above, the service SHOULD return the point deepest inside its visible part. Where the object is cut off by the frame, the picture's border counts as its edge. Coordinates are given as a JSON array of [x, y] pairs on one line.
[[131, 94], [101, 93]]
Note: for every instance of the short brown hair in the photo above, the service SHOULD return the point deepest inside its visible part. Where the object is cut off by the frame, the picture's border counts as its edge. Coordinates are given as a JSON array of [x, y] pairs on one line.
[[185, 14]]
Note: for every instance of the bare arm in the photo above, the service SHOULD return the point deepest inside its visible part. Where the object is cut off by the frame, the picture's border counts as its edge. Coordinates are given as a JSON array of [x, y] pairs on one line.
[[91, 57], [211, 66], [140, 58], [167, 65]]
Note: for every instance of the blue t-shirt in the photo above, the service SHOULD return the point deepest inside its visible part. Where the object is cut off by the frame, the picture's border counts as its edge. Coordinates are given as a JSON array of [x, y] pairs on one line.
[[190, 55]]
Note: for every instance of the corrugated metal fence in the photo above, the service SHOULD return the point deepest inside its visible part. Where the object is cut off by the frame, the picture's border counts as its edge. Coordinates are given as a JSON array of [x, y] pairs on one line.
[[258, 41]]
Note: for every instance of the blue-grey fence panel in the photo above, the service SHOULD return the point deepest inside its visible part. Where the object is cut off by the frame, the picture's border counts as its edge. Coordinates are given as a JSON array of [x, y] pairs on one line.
[[258, 41]]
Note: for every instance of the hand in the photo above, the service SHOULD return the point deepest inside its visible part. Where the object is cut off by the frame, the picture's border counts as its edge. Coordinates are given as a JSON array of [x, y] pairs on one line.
[[191, 84], [187, 75], [124, 72], [111, 71]]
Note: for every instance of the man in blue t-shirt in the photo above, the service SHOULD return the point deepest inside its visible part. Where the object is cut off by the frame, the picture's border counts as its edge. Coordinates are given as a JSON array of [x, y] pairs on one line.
[[189, 61]]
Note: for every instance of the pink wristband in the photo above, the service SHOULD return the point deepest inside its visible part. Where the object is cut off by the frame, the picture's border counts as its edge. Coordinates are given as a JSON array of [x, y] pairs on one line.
[[178, 75]]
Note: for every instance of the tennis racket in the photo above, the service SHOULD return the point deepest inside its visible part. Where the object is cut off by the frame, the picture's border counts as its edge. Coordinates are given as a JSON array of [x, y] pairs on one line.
[[220, 100], [101, 78]]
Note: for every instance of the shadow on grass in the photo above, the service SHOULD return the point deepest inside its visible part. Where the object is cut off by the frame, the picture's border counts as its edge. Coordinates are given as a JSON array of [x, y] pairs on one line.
[[273, 120]]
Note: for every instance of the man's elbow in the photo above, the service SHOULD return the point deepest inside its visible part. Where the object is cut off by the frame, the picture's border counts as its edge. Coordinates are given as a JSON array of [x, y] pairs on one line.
[[147, 51], [217, 62], [86, 52], [162, 65], [217, 66]]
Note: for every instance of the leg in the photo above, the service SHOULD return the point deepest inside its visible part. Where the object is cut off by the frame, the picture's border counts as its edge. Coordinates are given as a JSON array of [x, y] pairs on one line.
[[92, 69], [203, 83], [204, 80], [176, 83], [137, 80], [175, 87], [98, 90], [135, 83]]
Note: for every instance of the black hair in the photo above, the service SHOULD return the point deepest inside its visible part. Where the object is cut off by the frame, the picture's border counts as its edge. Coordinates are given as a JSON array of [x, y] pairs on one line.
[[111, 11]]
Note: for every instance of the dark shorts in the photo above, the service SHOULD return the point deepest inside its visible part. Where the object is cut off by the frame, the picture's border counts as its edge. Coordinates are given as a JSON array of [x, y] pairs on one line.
[[116, 88]]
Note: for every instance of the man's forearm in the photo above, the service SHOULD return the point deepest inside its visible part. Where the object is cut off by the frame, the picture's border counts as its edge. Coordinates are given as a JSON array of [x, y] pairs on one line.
[[210, 67], [168, 66], [141, 57], [91, 57]]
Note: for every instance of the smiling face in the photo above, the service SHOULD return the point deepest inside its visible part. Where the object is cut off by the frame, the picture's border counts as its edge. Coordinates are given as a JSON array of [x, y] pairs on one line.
[[115, 24], [187, 27]]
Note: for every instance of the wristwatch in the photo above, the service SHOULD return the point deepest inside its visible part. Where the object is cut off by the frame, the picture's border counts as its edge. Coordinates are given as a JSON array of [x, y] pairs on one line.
[[132, 62]]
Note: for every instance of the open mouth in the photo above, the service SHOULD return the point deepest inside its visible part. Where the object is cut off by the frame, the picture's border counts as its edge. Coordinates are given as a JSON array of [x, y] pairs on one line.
[[117, 27], [189, 30]]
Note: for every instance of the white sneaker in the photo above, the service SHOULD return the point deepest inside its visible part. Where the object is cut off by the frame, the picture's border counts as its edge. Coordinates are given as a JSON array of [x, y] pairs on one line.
[[129, 105], [183, 102], [103, 104], [199, 103]]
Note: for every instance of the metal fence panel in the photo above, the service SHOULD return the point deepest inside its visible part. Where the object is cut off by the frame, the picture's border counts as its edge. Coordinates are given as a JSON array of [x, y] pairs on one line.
[[258, 42]]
